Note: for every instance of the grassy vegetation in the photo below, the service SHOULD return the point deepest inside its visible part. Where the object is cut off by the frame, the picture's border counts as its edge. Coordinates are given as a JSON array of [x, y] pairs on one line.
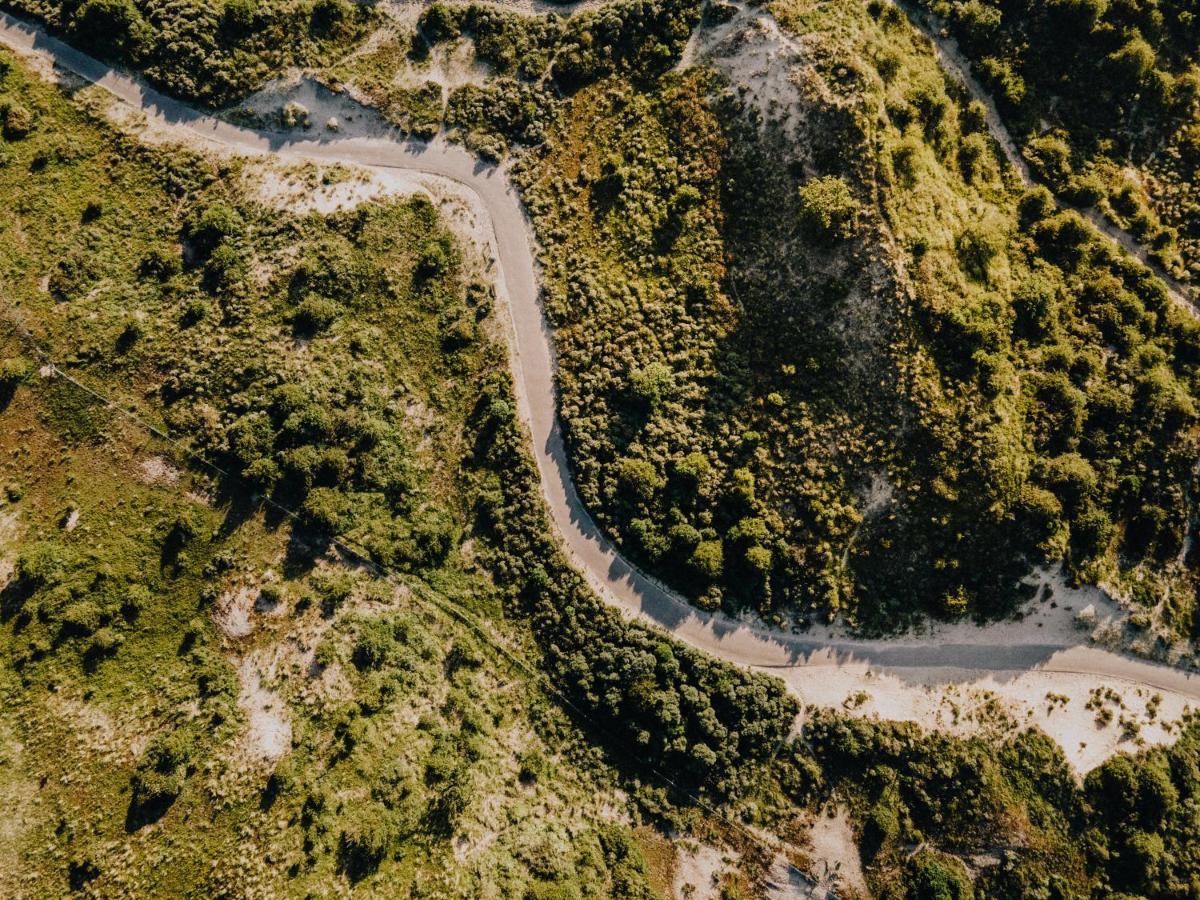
[[1103, 97], [344, 366], [141, 725]]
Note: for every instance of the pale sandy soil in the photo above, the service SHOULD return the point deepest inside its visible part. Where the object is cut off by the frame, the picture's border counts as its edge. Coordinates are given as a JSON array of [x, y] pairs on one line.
[[992, 705], [785, 882], [968, 702], [834, 853], [760, 62], [269, 729], [18, 796], [319, 102], [232, 611], [156, 470], [8, 542], [698, 869]]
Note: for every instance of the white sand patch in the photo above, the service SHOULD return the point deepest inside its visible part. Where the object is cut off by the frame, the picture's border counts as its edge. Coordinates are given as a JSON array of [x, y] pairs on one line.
[[761, 62], [313, 189], [879, 494], [784, 881], [299, 103], [269, 729], [1056, 702], [835, 860], [156, 470], [8, 529], [232, 611], [8, 542], [698, 870]]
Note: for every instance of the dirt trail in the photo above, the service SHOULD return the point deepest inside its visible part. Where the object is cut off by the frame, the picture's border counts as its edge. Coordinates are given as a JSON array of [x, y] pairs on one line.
[[953, 60]]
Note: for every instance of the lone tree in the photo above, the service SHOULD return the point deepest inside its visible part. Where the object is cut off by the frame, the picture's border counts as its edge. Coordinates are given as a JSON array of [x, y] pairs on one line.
[[827, 208]]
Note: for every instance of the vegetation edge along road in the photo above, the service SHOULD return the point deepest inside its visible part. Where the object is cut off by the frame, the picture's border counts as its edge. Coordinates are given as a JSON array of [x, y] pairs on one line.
[[617, 580]]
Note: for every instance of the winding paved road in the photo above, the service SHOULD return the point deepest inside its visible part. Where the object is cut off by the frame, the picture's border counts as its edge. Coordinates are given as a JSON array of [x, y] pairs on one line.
[[533, 364]]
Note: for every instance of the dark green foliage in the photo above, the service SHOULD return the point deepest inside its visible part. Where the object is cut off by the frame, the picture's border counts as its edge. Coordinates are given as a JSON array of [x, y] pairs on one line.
[[16, 120], [161, 775], [314, 314], [1119, 80], [639, 37], [13, 371], [365, 842], [111, 28], [929, 876], [703, 721], [1143, 839], [215, 53], [1016, 434]]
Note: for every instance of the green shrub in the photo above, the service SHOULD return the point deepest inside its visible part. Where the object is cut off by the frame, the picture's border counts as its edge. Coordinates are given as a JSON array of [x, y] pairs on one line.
[[16, 120], [639, 480], [828, 210], [315, 314], [932, 876], [161, 775], [211, 226], [112, 27], [366, 840]]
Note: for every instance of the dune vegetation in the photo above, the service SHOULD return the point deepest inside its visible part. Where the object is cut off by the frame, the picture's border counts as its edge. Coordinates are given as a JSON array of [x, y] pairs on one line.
[[281, 610]]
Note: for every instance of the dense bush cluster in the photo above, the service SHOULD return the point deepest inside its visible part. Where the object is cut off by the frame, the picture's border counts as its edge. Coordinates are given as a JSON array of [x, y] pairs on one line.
[[1001, 388], [1094, 86], [215, 53], [1128, 831], [929, 790], [640, 38], [329, 440], [653, 702], [1142, 820]]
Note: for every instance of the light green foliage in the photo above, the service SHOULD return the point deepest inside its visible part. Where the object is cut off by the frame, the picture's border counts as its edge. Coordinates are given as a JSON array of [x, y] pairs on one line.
[[828, 208]]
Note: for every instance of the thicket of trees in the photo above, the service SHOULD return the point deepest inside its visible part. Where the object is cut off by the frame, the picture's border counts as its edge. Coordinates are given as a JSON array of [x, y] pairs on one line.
[[639, 38], [654, 702], [214, 53], [1128, 831], [1028, 396]]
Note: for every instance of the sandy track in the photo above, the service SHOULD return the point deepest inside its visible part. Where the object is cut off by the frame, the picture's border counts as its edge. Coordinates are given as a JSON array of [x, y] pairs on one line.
[[963, 660]]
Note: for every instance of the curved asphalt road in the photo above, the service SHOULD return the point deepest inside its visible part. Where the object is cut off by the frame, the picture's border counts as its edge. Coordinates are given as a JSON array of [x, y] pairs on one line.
[[533, 364]]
